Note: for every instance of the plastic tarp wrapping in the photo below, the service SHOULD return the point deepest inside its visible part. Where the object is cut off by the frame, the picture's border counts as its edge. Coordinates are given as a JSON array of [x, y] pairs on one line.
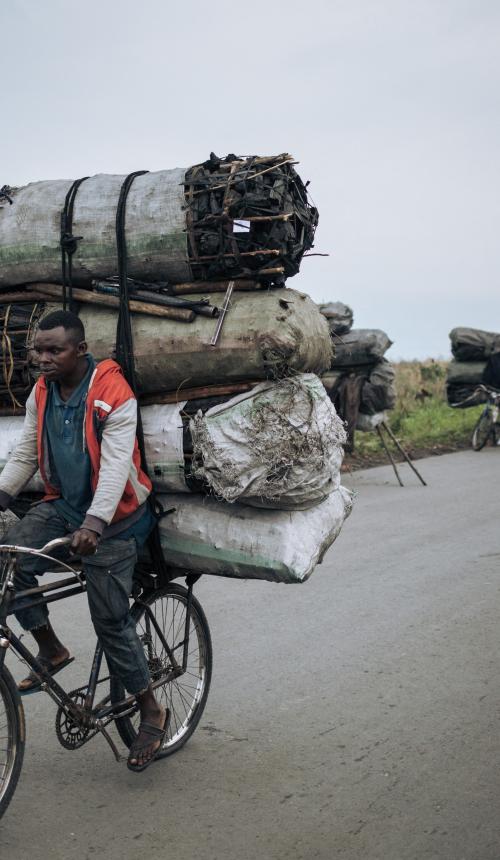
[[379, 392], [30, 229], [360, 346], [473, 344], [277, 446], [207, 536], [340, 317], [266, 334]]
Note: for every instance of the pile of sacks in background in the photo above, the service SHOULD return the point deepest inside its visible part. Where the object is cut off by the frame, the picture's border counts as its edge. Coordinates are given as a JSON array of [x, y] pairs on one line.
[[472, 350], [360, 381], [241, 437]]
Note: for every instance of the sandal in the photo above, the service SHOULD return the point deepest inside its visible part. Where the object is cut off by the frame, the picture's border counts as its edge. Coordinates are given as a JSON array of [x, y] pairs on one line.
[[35, 683], [136, 749]]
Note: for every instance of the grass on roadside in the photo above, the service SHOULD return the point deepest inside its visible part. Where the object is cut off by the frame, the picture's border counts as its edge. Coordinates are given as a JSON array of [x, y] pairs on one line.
[[422, 420]]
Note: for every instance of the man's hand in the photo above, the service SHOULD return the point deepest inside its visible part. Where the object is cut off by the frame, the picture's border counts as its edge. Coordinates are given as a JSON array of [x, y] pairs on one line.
[[84, 542]]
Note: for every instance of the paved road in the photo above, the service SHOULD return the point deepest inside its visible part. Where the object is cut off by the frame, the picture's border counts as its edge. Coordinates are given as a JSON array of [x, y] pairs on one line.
[[354, 717]]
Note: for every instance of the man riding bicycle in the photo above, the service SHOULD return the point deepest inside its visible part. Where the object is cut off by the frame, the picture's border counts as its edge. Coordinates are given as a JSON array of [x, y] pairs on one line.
[[80, 431]]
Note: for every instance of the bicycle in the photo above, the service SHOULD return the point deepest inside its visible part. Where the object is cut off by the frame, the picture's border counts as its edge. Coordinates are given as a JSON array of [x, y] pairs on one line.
[[175, 634], [487, 423]]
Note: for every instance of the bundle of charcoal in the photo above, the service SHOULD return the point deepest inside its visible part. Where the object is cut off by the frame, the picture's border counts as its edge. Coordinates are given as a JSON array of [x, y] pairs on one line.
[[339, 317], [360, 381], [240, 435], [475, 359], [225, 218], [17, 322]]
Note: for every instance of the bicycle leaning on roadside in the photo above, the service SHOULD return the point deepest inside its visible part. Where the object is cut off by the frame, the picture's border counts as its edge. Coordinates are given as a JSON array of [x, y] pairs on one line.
[[487, 424], [176, 639]]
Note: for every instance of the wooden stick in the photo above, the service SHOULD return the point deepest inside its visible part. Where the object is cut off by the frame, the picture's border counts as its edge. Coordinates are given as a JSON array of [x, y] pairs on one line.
[[268, 252], [379, 431], [289, 160], [403, 452], [244, 159], [10, 411], [91, 298], [198, 393], [15, 298], [210, 219]]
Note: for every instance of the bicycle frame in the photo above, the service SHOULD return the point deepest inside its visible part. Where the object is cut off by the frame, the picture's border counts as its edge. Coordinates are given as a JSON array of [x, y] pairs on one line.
[[96, 717]]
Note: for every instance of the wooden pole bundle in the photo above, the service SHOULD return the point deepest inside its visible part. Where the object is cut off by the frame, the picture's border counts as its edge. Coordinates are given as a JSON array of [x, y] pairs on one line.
[[91, 298]]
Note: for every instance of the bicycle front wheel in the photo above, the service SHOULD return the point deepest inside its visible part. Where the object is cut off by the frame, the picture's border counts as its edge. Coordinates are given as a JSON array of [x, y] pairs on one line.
[[187, 694], [12, 737], [482, 431]]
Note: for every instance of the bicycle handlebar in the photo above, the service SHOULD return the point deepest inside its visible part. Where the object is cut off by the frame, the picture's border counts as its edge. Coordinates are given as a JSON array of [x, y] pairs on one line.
[[55, 544]]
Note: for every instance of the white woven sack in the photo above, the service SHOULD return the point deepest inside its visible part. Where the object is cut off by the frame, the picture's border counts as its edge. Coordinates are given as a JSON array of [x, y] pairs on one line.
[[277, 446], [206, 536]]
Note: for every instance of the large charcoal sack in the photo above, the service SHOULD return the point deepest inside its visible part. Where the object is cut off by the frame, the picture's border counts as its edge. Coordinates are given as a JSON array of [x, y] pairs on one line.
[[277, 446], [163, 436], [30, 229], [266, 334], [340, 317], [379, 391], [465, 372], [224, 218], [360, 346], [473, 344], [206, 536]]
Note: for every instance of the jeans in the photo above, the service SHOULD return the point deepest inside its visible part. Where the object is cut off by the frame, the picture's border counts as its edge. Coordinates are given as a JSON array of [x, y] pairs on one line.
[[109, 574]]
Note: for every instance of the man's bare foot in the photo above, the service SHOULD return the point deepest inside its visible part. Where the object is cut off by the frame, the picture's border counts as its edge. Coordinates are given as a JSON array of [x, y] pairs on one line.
[[151, 731]]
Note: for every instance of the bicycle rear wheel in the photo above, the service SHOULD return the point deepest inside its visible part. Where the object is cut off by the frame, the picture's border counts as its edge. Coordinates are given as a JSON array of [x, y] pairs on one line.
[[12, 737], [187, 694], [482, 431]]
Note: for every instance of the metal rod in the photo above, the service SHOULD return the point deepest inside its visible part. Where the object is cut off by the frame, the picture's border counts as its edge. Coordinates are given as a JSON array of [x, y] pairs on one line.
[[51, 586], [224, 310], [51, 599]]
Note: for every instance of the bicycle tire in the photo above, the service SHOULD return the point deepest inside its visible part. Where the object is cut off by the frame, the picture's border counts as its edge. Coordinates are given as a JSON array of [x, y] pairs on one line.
[[482, 431], [185, 698], [12, 737]]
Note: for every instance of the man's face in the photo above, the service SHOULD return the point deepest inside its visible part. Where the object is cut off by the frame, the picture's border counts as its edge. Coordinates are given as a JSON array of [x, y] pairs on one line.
[[57, 353]]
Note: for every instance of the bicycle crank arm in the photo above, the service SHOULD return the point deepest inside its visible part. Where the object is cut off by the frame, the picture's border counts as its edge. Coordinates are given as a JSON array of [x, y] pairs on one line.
[[101, 728]]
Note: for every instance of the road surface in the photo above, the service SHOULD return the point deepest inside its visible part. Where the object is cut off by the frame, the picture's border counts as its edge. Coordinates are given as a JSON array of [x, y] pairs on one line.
[[355, 716]]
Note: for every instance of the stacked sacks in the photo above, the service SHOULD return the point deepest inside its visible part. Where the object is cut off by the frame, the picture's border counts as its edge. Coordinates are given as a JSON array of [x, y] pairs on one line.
[[255, 481], [360, 381], [254, 478], [471, 349]]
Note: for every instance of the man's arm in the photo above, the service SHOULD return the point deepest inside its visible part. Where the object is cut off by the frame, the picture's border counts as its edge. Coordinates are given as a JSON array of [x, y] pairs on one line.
[[23, 463], [117, 447]]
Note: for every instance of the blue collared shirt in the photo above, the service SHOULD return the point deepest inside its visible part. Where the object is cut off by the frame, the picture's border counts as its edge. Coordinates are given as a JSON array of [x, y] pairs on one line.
[[69, 459], [68, 455]]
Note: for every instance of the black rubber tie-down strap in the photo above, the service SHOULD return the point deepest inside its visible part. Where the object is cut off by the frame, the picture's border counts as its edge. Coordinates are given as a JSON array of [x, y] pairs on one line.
[[69, 243], [125, 357]]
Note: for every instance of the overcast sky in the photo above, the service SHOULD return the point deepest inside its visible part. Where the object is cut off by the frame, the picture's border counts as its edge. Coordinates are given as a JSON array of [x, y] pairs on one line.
[[391, 107]]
